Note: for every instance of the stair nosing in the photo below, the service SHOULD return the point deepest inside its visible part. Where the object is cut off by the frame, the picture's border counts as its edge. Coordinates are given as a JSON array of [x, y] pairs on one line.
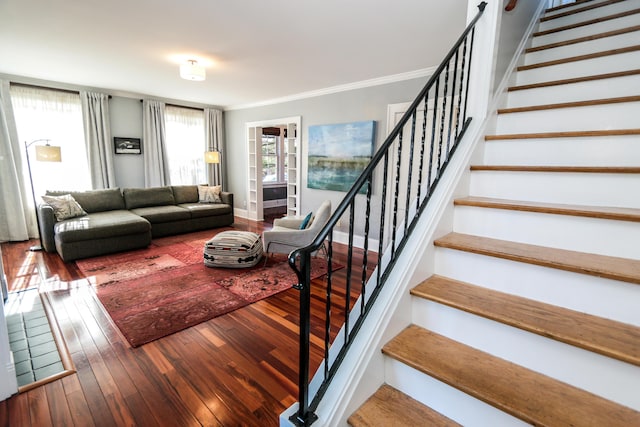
[[599, 212], [580, 9], [538, 318], [578, 58], [564, 134], [575, 80], [586, 23], [559, 169], [584, 39], [572, 104], [521, 392], [624, 269], [566, 5]]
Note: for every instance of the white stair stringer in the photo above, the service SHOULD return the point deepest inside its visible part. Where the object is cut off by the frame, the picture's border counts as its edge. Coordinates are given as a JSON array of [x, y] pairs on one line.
[[591, 235]]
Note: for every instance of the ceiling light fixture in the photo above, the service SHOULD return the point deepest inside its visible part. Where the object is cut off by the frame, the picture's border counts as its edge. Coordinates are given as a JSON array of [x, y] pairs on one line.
[[192, 71]]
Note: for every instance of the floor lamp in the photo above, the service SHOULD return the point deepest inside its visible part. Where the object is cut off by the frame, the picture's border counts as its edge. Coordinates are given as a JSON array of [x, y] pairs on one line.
[[212, 157], [44, 153]]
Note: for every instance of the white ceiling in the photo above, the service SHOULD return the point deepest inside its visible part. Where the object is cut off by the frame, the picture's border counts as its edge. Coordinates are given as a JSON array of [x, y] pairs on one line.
[[253, 50]]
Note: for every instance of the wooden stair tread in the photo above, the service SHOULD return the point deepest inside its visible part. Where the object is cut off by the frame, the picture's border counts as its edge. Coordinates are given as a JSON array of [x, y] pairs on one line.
[[390, 407], [584, 57], [573, 169], [578, 9], [575, 80], [584, 39], [564, 134], [601, 212], [530, 396], [588, 22], [603, 336], [615, 268], [566, 5], [573, 104]]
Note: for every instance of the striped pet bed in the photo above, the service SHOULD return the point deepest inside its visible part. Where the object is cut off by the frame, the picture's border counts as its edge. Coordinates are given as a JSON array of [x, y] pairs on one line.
[[233, 249]]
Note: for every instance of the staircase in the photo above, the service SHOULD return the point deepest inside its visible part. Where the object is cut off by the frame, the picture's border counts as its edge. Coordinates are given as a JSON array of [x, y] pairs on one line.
[[533, 315]]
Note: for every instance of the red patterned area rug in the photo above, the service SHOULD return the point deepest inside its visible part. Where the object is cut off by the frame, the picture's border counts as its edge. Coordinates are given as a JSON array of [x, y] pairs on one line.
[[155, 292]]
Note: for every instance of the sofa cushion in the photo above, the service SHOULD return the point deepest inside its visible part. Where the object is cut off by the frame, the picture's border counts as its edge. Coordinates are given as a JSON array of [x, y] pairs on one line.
[[109, 199], [208, 194], [185, 193], [158, 214], [99, 225], [143, 197], [64, 207], [201, 210]]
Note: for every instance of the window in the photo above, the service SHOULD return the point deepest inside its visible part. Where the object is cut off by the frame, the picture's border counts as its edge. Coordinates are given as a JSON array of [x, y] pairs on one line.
[[57, 116], [274, 159], [186, 145]]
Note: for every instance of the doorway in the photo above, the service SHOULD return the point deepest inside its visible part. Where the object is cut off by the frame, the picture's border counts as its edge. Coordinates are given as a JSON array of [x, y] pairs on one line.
[[274, 166]]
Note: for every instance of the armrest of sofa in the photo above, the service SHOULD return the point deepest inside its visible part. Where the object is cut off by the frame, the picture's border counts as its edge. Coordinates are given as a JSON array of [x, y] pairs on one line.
[[227, 198], [47, 221], [292, 222]]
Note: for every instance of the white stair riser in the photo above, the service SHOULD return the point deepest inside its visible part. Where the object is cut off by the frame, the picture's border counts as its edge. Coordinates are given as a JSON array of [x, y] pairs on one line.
[[597, 189], [583, 91], [622, 115], [589, 14], [572, 6], [447, 400], [598, 296], [615, 381], [583, 48], [577, 151], [586, 30], [590, 235], [607, 64]]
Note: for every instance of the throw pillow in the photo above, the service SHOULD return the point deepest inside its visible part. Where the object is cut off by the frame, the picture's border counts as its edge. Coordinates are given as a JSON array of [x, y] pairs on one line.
[[305, 222], [207, 194], [64, 207]]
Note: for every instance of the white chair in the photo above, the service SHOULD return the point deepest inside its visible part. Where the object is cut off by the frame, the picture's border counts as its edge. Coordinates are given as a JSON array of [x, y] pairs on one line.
[[286, 235]]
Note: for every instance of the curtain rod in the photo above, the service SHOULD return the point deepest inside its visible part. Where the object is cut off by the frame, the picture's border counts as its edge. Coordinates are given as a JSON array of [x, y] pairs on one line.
[[180, 106], [77, 92]]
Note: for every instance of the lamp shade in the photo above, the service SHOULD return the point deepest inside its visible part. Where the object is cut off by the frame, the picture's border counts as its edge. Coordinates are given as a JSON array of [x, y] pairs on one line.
[[192, 71], [48, 153], [212, 157]]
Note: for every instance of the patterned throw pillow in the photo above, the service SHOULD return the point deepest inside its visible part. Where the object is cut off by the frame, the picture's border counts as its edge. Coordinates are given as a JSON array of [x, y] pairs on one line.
[[64, 207], [209, 194]]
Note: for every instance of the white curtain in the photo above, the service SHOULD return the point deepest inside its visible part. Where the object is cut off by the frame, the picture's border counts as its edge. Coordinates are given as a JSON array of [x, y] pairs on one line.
[[97, 134], [214, 139], [156, 168], [17, 216], [185, 145]]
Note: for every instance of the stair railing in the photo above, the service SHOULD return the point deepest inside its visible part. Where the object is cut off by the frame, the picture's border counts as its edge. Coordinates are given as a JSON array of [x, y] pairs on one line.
[[406, 170]]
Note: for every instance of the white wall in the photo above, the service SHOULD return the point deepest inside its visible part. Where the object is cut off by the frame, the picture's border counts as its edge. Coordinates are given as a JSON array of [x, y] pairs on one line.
[[126, 121]]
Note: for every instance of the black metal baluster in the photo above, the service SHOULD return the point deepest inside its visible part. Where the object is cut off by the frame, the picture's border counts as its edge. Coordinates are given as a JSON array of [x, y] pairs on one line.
[[462, 84], [451, 109], [383, 213], [327, 315], [445, 90], [395, 197], [466, 96], [347, 302], [410, 172], [433, 133], [363, 291], [422, 147]]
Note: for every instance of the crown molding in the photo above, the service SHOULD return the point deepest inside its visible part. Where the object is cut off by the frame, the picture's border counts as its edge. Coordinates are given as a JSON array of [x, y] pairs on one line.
[[424, 72]]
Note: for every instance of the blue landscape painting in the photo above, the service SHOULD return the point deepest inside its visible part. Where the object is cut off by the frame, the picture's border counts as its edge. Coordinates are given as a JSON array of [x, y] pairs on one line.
[[338, 154]]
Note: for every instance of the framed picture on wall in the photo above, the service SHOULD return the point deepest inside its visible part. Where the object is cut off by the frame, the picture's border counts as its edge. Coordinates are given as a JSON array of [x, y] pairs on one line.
[[127, 145], [338, 153]]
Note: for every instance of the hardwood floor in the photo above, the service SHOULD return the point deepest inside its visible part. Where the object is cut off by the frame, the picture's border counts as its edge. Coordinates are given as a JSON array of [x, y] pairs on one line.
[[239, 369]]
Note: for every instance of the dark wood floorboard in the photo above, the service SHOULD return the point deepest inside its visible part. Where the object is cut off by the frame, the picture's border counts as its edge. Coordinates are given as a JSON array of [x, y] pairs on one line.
[[239, 369]]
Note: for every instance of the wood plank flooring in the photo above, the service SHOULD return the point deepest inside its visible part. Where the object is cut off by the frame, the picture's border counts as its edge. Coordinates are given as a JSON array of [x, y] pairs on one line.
[[239, 369]]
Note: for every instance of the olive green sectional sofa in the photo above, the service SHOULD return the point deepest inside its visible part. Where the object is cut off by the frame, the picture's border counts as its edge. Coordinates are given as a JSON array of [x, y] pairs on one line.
[[115, 220]]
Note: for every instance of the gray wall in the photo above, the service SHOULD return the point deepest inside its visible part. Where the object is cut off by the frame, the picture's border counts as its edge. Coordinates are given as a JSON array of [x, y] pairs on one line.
[[126, 121], [354, 105]]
